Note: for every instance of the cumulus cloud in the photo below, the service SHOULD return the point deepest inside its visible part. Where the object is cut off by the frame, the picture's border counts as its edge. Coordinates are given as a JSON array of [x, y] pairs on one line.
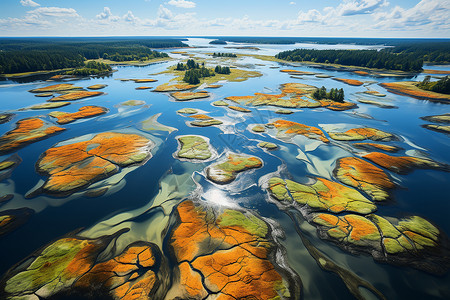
[[432, 13], [107, 15], [357, 7], [292, 3], [129, 17], [164, 13], [312, 15], [54, 12], [29, 3], [182, 3]]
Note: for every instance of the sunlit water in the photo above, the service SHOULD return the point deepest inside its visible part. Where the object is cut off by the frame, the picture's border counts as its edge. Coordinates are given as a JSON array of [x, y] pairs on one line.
[[143, 198]]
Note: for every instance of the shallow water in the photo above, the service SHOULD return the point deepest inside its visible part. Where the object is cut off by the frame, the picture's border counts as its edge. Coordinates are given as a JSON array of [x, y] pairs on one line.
[[143, 198]]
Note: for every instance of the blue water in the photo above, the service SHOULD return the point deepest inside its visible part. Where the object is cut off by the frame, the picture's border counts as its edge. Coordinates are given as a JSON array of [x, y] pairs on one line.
[[423, 192]]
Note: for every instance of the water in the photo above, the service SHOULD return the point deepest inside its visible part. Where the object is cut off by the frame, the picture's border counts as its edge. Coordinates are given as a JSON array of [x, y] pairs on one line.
[[144, 198]]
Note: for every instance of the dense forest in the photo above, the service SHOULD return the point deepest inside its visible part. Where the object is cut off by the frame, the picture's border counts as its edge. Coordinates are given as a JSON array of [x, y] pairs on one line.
[[334, 94], [430, 52], [22, 55], [91, 68], [440, 86], [361, 58]]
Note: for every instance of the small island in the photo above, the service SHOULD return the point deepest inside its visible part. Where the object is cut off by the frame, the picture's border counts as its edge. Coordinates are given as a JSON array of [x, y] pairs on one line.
[[218, 42]]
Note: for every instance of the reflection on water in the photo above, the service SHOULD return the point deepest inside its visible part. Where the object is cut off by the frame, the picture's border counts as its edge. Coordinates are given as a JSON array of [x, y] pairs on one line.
[[143, 199]]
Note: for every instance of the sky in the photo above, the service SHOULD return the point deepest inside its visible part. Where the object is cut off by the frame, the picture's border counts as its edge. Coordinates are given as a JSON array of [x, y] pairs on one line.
[[298, 18]]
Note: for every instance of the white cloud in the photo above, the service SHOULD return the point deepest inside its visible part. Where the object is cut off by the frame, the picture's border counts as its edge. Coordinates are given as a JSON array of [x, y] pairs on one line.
[[292, 3], [430, 13], [313, 15], [29, 3], [357, 7], [164, 13], [54, 12], [129, 17], [182, 3], [107, 15]]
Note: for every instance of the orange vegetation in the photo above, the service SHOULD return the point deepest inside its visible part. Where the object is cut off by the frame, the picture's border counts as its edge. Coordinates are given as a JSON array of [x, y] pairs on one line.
[[364, 176], [76, 96], [297, 128], [241, 270], [190, 95], [237, 108], [293, 95], [174, 87], [55, 88], [83, 112], [361, 73], [27, 131], [143, 88], [73, 166], [127, 276], [144, 80], [350, 81], [410, 88], [200, 117], [401, 164], [438, 72], [359, 134], [377, 146]]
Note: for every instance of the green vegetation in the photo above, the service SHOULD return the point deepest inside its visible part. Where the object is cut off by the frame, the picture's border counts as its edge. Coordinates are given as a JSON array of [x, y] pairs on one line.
[[133, 57], [217, 42], [224, 54], [194, 71], [440, 86], [91, 68], [39, 54], [333, 94], [222, 70], [432, 52], [361, 58]]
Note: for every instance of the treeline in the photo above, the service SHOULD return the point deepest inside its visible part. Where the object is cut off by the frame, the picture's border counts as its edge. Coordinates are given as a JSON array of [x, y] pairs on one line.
[[139, 56], [440, 86], [222, 70], [224, 54], [91, 68], [29, 61], [22, 55], [193, 76], [361, 58], [437, 52], [334, 94]]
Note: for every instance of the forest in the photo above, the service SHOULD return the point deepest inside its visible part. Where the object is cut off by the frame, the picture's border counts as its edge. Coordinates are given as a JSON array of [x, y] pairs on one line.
[[194, 71], [334, 94], [28, 55], [361, 58], [440, 86], [91, 68]]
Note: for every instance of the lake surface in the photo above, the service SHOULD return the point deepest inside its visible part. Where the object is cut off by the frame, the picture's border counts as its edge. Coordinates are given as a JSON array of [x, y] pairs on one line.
[[137, 197]]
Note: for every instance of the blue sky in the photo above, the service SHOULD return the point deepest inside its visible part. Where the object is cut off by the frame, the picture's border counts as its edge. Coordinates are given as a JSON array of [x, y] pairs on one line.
[[328, 18]]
